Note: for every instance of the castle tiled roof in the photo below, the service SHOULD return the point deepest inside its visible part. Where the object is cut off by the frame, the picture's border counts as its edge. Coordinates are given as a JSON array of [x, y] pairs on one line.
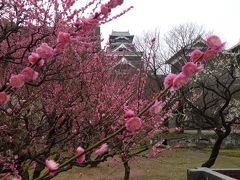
[[237, 46], [120, 33]]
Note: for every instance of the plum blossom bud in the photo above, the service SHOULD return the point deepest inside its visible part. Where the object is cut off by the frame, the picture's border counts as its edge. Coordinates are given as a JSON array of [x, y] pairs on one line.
[[16, 156], [80, 159], [51, 165], [120, 2], [45, 51], [197, 56], [41, 63], [18, 106], [8, 152], [4, 98], [17, 81], [190, 69], [129, 113], [34, 164], [115, 3], [29, 74], [63, 37], [9, 110], [77, 23], [102, 149], [33, 58], [179, 81], [133, 124]]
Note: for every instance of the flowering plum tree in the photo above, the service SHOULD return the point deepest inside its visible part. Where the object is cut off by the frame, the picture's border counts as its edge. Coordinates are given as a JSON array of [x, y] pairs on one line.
[[60, 103], [211, 101], [52, 74]]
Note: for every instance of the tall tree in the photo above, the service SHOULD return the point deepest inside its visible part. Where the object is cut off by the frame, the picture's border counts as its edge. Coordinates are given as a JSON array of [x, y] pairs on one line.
[[182, 38], [212, 99]]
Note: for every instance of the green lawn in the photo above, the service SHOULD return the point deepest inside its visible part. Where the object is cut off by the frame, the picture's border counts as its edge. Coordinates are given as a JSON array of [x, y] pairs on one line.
[[170, 165]]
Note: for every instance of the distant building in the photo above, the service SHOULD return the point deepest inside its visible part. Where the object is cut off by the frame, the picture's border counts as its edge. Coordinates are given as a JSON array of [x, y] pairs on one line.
[[121, 45], [184, 54], [235, 49]]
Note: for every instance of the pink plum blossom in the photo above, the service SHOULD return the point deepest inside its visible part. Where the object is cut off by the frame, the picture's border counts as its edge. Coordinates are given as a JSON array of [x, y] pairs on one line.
[[29, 74], [4, 98], [41, 63], [104, 10], [190, 69], [215, 43], [17, 81], [168, 81], [9, 110], [33, 58], [209, 54], [102, 149], [51, 165], [18, 106], [133, 124], [197, 55], [45, 51], [63, 37], [179, 81], [129, 113], [88, 23], [17, 178], [156, 107], [80, 159], [115, 3]]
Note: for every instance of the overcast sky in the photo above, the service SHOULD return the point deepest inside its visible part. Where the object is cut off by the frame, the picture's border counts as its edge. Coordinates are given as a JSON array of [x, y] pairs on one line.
[[220, 16]]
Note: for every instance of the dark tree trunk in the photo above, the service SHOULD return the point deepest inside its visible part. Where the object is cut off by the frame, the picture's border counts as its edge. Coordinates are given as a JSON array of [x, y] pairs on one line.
[[127, 170], [38, 171], [216, 148], [214, 154], [24, 175], [94, 164]]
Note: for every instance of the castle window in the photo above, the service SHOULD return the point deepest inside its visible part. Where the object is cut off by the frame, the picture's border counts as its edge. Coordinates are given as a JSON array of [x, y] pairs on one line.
[[121, 49]]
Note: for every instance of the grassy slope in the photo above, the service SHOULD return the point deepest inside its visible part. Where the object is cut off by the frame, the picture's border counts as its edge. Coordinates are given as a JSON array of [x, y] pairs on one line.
[[170, 165]]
